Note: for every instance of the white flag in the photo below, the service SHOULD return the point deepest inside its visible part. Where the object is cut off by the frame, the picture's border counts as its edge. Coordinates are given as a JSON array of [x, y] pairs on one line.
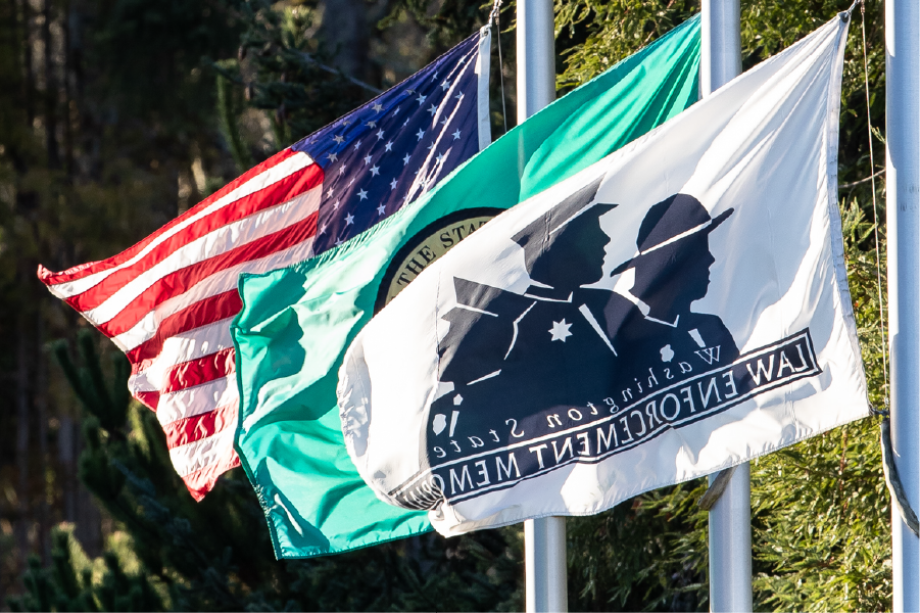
[[675, 309]]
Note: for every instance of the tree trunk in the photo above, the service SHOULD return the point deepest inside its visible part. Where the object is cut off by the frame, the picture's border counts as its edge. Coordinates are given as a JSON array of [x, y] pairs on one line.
[[344, 30], [88, 517], [23, 523], [51, 94], [67, 458], [41, 405], [70, 113], [28, 81]]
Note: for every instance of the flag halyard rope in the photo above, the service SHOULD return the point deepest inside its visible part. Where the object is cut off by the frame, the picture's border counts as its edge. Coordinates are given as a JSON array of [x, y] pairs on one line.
[[878, 257]]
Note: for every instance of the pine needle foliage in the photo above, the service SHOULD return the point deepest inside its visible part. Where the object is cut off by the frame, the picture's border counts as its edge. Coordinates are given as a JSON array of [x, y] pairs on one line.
[[216, 555]]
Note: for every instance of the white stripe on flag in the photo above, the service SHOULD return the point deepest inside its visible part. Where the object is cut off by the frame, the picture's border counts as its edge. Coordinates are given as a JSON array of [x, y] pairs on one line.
[[296, 162], [188, 458], [218, 283], [208, 246], [197, 343], [196, 400]]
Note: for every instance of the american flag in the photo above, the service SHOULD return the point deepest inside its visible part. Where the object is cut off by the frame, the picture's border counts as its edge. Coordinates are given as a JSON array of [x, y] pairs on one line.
[[168, 301]]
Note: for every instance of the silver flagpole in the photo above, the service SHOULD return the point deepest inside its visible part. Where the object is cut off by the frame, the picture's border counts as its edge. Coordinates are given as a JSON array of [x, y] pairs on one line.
[[902, 110], [730, 517], [544, 539]]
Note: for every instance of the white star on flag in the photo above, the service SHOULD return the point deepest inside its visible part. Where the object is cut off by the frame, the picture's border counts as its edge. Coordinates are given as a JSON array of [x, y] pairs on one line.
[[560, 330]]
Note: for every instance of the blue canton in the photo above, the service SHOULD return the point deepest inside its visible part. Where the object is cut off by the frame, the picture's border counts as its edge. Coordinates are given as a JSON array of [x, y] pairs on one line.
[[390, 151]]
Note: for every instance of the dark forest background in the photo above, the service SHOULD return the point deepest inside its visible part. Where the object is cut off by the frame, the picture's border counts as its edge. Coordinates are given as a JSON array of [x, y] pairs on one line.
[[117, 115]]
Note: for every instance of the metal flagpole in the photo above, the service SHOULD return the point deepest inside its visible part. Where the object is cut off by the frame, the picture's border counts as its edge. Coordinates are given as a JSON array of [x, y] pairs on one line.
[[902, 110], [730, 516], [544, 539]]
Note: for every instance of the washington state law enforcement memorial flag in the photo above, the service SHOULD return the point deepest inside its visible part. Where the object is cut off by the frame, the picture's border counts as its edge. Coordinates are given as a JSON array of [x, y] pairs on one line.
[[296, 322], [677, 308]]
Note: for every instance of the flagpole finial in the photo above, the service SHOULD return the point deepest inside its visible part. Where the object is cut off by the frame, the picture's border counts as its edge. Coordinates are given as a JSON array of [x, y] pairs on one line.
[[496, 7], [849, 11]]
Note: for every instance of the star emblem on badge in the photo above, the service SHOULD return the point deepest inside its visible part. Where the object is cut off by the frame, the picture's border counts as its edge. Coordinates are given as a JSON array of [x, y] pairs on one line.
[[560, 331]]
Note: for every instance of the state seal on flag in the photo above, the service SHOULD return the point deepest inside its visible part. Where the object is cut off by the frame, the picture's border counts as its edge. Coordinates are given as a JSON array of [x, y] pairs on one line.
[[427, 246]]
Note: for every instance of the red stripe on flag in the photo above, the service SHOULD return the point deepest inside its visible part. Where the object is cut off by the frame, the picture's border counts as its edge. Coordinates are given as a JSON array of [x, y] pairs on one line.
[[288, 188], [182, 280], [148, 399], [203, 370], [198, 427], [203, 312], [84, 270]]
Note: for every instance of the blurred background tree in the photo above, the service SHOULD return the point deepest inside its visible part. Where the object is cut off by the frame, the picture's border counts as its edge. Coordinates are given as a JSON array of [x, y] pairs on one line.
[[116, 115]]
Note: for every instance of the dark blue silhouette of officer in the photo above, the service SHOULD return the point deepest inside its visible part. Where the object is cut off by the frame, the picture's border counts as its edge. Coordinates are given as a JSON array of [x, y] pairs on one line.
[[671, 267], [509, 360]]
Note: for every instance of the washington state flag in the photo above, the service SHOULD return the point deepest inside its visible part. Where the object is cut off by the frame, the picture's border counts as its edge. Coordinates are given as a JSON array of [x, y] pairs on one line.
[[296, 323]]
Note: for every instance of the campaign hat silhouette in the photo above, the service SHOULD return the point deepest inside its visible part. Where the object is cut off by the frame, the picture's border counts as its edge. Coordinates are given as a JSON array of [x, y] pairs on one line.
[[674, 218], [567, 241]]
